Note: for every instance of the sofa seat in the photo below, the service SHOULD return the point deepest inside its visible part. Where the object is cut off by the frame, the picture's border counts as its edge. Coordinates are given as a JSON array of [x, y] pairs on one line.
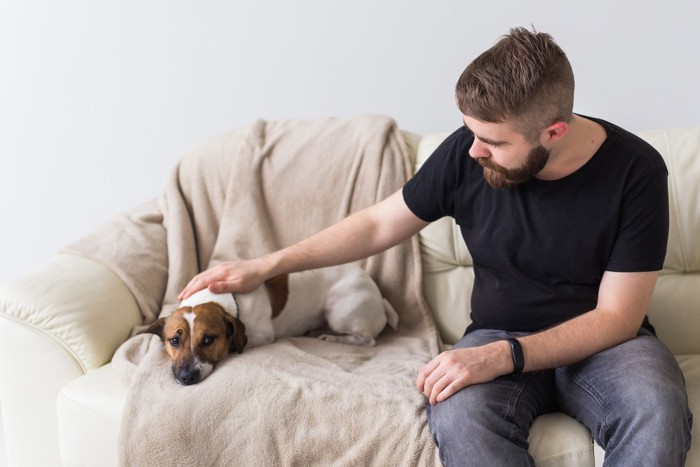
[[90, 410]]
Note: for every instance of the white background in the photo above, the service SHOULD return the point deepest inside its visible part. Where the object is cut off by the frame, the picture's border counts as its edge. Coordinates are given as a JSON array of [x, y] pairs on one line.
[[99, 99]]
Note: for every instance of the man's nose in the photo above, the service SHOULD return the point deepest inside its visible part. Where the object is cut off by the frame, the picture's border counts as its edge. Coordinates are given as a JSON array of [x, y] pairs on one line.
[[479, 149]]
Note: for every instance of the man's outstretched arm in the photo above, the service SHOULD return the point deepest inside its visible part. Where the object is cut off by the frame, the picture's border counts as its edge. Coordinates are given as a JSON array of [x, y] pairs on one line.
[[356, 237]]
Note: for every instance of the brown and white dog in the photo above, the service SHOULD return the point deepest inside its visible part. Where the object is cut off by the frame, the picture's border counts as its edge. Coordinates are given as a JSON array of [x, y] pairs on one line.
[[207, 327]]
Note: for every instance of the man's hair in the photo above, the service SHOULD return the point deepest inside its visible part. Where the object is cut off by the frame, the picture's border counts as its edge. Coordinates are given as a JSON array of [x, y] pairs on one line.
[[525, 77]]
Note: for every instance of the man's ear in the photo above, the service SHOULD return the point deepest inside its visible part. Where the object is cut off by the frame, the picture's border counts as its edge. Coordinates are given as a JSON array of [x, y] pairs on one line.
[[235, 332], [156, 328], [555, 131]]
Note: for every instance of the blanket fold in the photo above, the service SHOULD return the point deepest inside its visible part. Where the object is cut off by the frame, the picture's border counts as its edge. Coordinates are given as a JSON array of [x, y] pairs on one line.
[[299, 401]]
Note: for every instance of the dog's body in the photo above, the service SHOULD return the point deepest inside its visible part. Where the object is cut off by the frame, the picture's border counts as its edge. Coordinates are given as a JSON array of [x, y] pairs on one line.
[[207, 327]]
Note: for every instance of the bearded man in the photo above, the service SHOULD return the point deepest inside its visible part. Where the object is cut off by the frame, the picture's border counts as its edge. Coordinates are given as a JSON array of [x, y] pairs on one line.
[[566, 219]]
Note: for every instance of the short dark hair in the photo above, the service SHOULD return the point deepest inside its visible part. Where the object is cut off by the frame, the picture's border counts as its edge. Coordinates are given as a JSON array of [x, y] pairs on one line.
[[525, 77]]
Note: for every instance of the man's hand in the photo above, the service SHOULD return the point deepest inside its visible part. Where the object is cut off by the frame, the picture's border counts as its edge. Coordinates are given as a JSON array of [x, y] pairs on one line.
[[455, 369], [239, 276]]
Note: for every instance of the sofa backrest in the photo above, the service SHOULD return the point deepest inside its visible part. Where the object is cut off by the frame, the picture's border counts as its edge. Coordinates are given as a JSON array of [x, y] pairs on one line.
[[675, 307], [448, 272]]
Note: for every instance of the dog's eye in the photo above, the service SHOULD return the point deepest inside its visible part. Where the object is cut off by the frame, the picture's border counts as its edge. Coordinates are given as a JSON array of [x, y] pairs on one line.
[[175, 341], [208, 340]]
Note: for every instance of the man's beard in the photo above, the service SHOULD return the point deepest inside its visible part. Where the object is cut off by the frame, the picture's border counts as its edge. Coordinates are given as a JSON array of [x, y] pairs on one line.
[[500, 177]]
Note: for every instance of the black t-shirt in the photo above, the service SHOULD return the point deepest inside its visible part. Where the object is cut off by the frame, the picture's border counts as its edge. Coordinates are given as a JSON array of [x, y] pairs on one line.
[[540, 248]]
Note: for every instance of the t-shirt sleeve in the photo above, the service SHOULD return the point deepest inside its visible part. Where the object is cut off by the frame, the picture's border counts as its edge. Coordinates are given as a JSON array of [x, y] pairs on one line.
[[430, 193], [643, 230]]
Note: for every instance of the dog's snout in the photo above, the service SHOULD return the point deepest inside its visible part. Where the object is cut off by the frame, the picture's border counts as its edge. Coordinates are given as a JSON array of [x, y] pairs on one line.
[[187, 375]]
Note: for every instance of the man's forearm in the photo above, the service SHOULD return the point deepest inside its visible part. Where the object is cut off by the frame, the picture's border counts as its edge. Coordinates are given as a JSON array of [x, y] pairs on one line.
[[349, 240], [622, 304], [574, 340], [358, 236]]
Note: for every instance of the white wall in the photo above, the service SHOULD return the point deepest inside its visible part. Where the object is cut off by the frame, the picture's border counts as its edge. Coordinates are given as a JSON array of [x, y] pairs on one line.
[[98, 99]]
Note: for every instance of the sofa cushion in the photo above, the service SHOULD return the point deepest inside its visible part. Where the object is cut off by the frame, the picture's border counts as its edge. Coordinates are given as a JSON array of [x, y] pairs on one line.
[[448, 274], [89, 412], [680, 149], [674, 309], [558, 440], [448, 277]]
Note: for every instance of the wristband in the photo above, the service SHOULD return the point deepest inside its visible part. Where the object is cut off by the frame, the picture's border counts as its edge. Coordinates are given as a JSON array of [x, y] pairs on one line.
[[516, 352]]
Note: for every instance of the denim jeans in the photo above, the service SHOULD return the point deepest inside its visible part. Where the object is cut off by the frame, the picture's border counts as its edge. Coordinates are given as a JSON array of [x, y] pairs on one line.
[[631, 397]]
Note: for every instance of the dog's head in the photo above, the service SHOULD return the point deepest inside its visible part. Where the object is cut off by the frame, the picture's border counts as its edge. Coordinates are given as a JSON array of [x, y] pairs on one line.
[[198, 337]]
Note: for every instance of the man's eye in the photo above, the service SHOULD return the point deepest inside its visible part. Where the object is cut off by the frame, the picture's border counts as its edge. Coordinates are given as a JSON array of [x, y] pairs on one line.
[[175, 341], [208, 340]]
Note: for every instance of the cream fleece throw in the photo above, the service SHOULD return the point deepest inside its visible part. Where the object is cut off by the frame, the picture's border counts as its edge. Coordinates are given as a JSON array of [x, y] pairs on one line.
[[299, 401]]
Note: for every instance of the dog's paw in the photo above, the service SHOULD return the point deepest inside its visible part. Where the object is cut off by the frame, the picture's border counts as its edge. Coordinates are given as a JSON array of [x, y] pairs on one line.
[[348, 339]]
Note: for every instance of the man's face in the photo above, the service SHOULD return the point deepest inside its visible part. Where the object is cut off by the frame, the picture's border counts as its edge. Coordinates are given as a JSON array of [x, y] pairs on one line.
[[500, 177], [507, 157]]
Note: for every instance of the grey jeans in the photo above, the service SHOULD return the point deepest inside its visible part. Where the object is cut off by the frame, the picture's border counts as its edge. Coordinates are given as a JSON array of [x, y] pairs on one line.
[[631, 397]]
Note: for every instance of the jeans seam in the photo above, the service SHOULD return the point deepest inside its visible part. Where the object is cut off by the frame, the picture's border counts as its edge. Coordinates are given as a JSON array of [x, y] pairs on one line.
[[513, 400], [588, 388]]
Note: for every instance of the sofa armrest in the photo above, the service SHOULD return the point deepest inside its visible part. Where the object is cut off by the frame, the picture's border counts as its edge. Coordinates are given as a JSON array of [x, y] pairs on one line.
[[79, 303], [57, 322]]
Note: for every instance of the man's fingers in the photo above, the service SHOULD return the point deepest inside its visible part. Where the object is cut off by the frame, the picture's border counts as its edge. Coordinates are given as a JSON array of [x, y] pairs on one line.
[[199, 282], [192, 287], [222, 287], [434, 379], [425, 372], [443, 376], [450, 390], [437, 388], [222, 278]]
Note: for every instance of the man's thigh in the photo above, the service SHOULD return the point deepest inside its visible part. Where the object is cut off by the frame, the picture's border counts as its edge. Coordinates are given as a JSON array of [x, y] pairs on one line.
[[629, 396], [488, 424]]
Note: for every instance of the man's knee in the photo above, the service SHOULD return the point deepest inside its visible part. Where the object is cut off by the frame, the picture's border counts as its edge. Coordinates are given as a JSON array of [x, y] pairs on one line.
[[658, 408], [636, 396], [655, 397], [474, 425], [459, 416]]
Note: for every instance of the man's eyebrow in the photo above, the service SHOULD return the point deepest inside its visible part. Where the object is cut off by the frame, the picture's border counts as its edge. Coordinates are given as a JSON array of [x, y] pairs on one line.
[[484, 140]]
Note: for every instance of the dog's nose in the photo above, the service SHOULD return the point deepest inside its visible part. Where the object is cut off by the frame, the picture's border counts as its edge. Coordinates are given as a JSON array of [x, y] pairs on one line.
[[187, 375], [189, 379]]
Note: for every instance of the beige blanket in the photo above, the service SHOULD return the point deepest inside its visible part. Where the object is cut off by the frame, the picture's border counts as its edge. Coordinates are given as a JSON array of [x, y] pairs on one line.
[[299, 401]]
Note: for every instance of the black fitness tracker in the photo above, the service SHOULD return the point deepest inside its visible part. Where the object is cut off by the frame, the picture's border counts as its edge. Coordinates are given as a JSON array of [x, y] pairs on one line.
[[516, 352]]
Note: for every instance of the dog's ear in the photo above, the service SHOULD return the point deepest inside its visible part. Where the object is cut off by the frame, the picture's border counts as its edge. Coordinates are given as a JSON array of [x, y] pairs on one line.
[[156, 328], [235, 332]]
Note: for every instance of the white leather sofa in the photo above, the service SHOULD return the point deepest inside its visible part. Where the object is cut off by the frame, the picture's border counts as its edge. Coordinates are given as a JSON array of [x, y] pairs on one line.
[[61, 400]]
